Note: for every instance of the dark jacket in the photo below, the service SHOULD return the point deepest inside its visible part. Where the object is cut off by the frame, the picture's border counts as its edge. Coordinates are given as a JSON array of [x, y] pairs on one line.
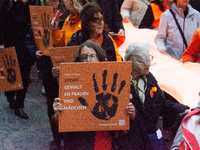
[[78, 38], [18, 24], [112, 16], [195, 4], [3, 15], [147, 114], [44, 64]]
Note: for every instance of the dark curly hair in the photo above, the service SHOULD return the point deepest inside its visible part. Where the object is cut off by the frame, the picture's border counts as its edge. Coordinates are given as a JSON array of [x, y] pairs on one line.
[[87, 15], [101, 54]]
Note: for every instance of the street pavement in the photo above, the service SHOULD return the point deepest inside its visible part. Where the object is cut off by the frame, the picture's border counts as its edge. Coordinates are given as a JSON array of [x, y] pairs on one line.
[[21, 134], [33, 133]]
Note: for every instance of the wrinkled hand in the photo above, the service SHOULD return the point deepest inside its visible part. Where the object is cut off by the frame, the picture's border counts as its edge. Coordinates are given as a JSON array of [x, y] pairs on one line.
[[38, 54], [56, 71], [58, 107], [131, 110]]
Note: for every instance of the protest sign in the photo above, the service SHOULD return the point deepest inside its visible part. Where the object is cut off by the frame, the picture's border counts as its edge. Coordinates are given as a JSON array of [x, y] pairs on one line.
[[95, 96], [62, 54], [41, 17], [10, 76]]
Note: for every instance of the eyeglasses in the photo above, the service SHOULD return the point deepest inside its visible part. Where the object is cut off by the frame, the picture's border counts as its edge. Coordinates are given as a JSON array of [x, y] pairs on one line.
[[97, 20], [84, 57]]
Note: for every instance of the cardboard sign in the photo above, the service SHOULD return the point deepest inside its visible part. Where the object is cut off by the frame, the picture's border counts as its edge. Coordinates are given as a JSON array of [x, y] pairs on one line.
[[10, 76], [95, 96], [41, 17], [62, 54]]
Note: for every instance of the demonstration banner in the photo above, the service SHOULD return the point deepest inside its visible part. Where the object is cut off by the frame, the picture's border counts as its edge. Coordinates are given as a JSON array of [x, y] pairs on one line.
[[10, 77], [62, 54], [41, 17], [95, 96]]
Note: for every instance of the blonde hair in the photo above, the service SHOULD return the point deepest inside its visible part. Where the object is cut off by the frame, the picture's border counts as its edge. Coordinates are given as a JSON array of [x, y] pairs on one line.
[[79, 4]]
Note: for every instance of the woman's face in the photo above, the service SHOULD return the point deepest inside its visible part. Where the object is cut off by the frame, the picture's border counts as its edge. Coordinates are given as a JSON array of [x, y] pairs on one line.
[[182, 3], [141, 67], [88, 55], [70, 6], [97, 24]]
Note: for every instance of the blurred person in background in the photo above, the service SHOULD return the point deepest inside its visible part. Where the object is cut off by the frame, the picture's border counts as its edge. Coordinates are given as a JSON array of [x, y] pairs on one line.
[[169, 39], [18, 24], [192, 53], [151, 19], [134, 10]]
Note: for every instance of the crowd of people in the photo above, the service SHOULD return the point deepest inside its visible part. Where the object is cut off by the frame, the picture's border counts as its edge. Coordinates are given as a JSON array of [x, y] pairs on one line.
[[92, 25]]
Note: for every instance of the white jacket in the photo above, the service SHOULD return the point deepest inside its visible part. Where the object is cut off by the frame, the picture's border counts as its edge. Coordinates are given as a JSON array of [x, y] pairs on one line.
[[168, 36]]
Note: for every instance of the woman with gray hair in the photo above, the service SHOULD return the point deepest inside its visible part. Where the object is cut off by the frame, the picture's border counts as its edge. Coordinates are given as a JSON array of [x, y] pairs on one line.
[[148, 101]]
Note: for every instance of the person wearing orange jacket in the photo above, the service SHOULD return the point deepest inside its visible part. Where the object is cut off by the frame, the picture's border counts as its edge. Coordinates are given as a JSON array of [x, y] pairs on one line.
[[152, 16], [71, 24], [192, 53]]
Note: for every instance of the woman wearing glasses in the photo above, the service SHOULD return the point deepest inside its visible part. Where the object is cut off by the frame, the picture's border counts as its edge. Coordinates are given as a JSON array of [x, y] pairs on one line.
[[88, 52], [93, 28]]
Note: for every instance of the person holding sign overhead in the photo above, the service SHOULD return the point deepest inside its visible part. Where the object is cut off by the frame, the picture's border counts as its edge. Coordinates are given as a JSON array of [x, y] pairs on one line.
[[88, 52]]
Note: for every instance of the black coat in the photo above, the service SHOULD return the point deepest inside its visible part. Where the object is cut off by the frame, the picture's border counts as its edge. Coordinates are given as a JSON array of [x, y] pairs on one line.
[[18, 24], [147, 115], [112, 16], [78, 38]]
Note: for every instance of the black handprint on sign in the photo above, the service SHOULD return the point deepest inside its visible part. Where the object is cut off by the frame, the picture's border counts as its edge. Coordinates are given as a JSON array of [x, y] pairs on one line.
[[45, 34], [107, 103], [9, 64]]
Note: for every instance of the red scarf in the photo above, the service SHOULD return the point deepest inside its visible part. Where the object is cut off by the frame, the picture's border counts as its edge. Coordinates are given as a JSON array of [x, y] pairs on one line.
[[99, 40]]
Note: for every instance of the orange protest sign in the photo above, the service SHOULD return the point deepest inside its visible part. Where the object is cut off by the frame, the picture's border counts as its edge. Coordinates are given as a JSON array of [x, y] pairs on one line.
[[41, 17], [95, 96], [62, 54], [10, 76]]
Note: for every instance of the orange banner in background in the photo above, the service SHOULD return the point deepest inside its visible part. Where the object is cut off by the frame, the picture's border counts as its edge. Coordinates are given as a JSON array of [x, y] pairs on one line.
[[95, 96], [62, 54], [10, 76], [41, 17]]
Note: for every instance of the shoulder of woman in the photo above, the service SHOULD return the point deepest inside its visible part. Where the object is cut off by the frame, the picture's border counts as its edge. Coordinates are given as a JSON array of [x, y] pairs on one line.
[[150, 78]]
